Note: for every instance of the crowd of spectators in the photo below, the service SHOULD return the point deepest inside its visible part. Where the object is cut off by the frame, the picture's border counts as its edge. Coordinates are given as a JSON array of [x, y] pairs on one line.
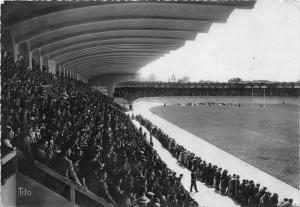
[[246, 192], [213, 104], [81, 134]]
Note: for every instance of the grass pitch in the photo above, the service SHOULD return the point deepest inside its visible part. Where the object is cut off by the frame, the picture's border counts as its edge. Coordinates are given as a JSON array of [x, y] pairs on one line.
[[264, 137]]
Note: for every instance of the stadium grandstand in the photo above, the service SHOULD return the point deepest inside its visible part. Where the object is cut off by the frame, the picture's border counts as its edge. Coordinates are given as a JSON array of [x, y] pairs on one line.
[[65, 143], [134, 90]]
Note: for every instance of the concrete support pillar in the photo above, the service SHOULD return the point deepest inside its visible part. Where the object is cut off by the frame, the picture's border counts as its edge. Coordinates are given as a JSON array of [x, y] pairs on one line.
[[57, 66], [23, 50], [30, 59], [16, 51], [110, 88], [45, 62], [36, 60], [41, 61], [59, 71], [52, 66], [8, 43]]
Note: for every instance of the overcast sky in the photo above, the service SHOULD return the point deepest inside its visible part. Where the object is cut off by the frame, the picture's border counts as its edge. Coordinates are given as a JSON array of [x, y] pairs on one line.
[[261, 43]]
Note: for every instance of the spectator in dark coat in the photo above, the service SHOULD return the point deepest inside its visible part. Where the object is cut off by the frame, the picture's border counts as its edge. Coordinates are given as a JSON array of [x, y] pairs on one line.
[[193, 182], [40, 153], [273, 200], [287, 203], [99, 187], [218, 179], [118, 194], [62, 165], [25, 145], [264, 200], [224, 182], [260, 193]]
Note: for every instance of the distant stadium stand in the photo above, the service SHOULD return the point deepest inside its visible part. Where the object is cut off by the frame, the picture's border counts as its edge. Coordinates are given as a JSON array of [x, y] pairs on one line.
[[134, 90]]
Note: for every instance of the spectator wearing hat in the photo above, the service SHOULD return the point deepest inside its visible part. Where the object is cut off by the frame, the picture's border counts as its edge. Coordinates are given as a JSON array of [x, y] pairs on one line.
[[203, 172], [287, 203], [264, 200], [179, 178], [193, 182], [230, 189], [236, 187], [173, 201], [284, 200], [25, 145], [212, 176], [142, 201], [89, 162], [156, 203], [32, 136], [117, 193], [64, 166], [273, 200], [128, 200], [40, 152], [260, 193], [243, 193], [253, 200], [250, 193], [224, 181], [180, 159], [98, 185], [218, 179], [150, 195], [50, 149], [256, 188]]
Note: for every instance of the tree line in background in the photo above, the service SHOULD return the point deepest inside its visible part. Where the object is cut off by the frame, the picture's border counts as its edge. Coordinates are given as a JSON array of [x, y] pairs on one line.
[[186, 79]]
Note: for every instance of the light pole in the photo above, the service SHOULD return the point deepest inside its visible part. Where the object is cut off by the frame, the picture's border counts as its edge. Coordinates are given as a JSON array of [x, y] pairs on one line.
[[252, 95], [252, 92], [253, 59], [264, 87]]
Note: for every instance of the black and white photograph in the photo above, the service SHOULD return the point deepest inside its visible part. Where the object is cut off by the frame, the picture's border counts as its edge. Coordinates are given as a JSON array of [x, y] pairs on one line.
[[148, 103]]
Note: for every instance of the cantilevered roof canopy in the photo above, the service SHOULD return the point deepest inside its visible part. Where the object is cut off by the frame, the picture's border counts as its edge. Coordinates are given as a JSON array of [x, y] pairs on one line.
[[104, 37]]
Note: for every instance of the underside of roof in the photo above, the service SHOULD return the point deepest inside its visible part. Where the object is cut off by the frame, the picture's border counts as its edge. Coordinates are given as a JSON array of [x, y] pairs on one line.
[[108, 37]]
